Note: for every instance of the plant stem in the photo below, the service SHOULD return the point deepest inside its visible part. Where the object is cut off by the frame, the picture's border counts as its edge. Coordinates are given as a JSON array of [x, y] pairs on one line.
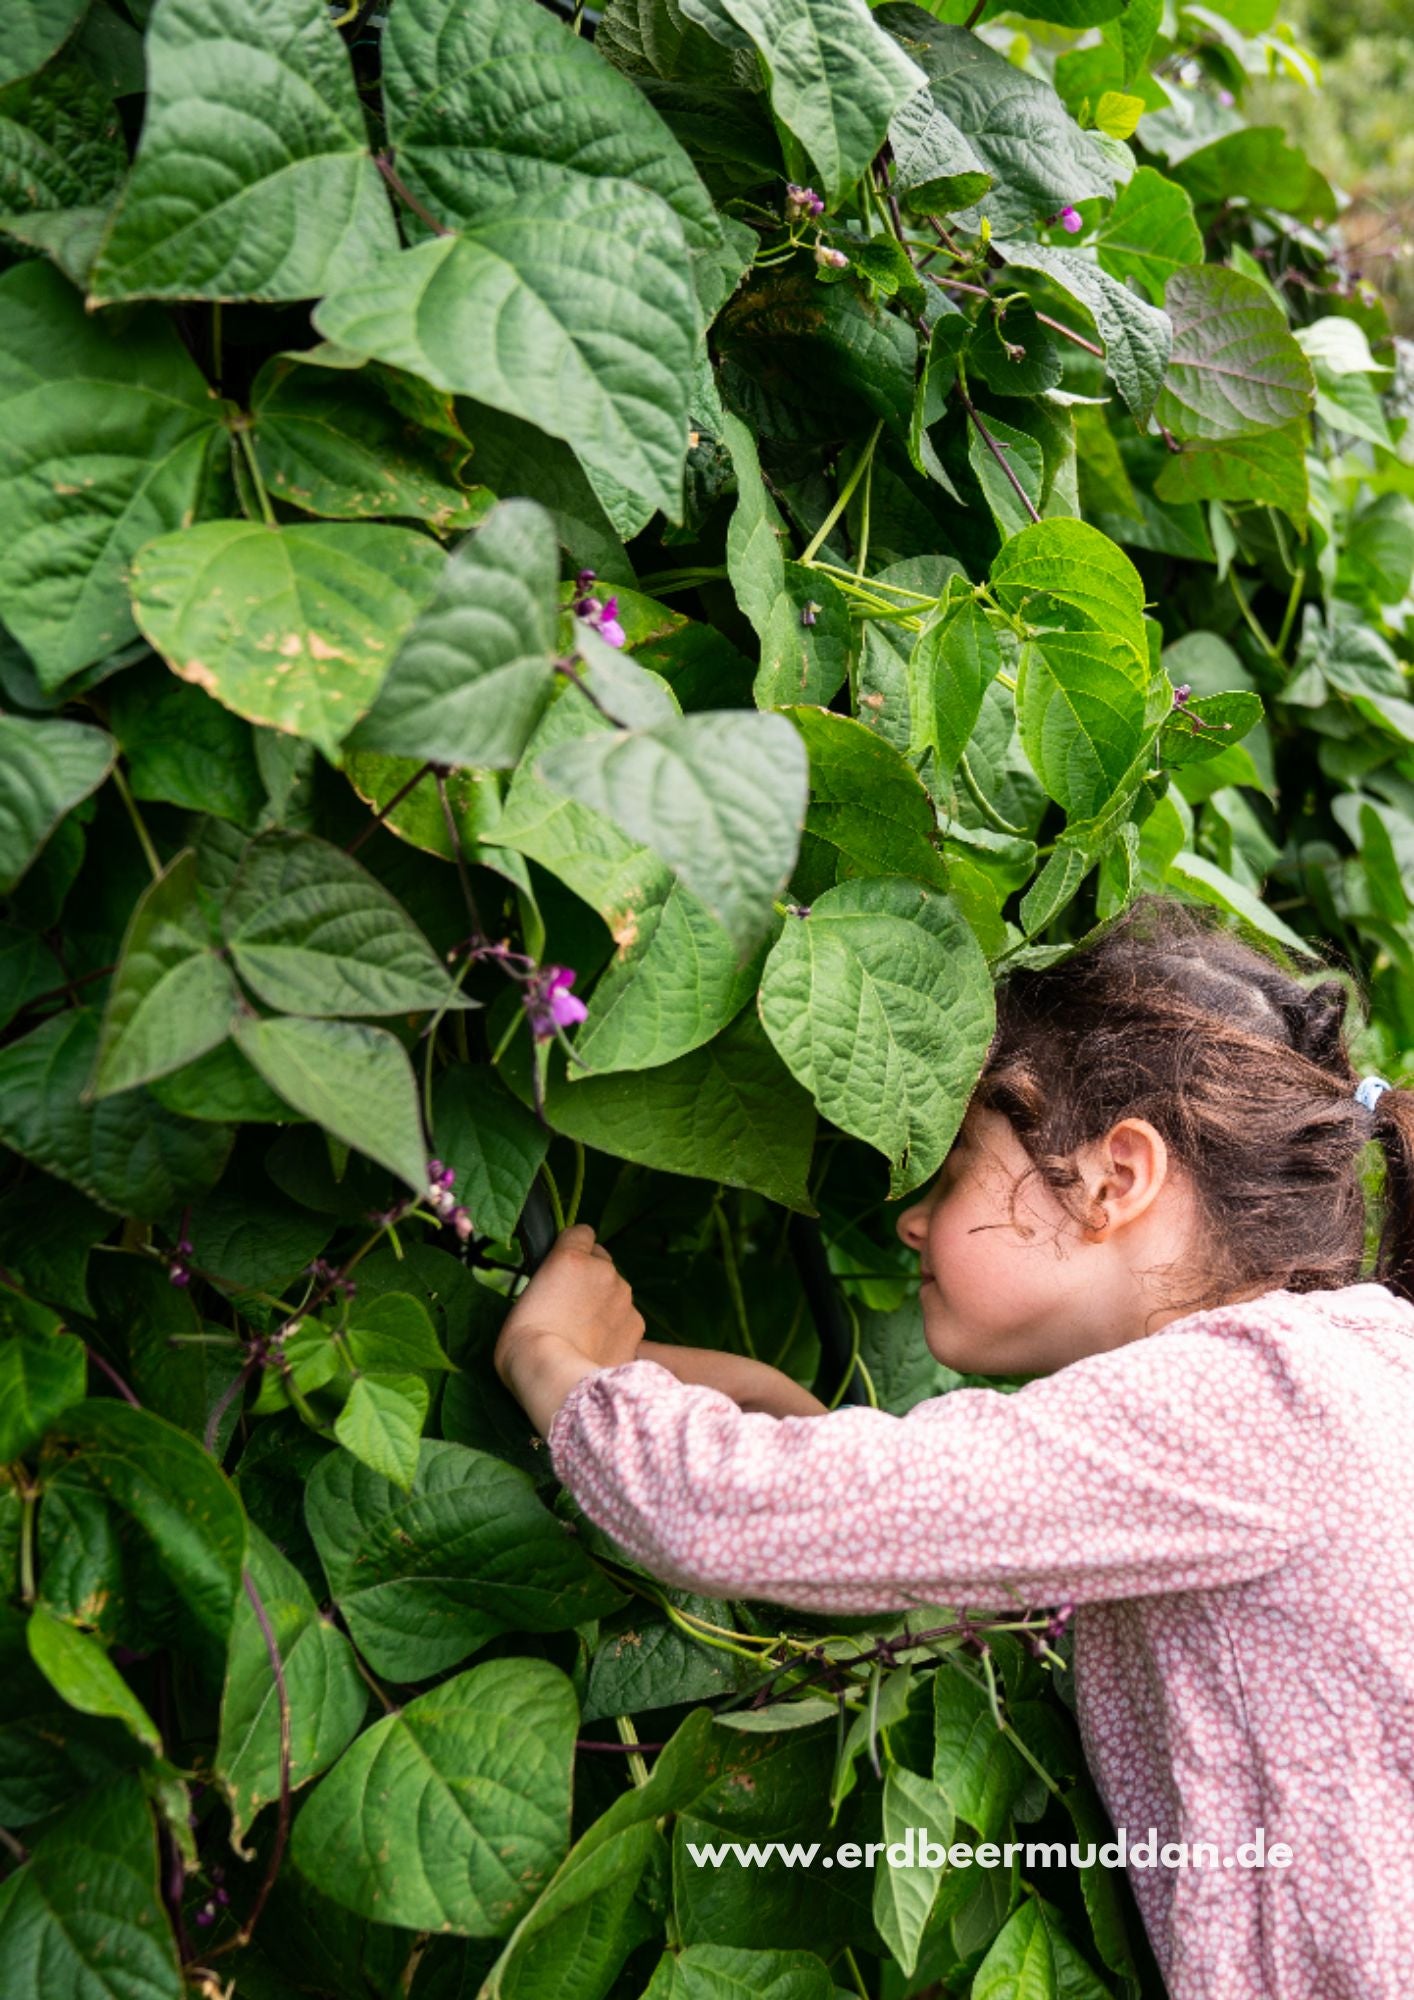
[[1069, 333], [724, 1235], [383, 811], [864, 503], [555, 1203], [282, 1826], [984, 804], [144, 837], [407, 197], [577, 1188], [846, 495], [849, 1958], [628, 1735], [1254, 624], [568, 669], [252, 465], [996, 450], [455, 839], [28, 1500], [1293, 605]]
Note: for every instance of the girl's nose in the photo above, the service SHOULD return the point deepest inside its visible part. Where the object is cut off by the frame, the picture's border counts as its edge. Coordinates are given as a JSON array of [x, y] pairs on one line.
[[913, 1225]]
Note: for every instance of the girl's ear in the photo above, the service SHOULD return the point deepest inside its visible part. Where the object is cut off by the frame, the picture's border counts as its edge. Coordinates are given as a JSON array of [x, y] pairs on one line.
[[1131, 1167]]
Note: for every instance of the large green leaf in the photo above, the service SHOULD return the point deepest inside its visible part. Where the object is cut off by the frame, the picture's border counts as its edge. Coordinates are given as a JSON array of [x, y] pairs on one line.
[[935, 168], [182, 748], [1033, 1954], [381, 1424], [172, 997], [106, 436], [253, 179], [46, 767], [880, 1003], [453, 1813], [177, 1498], [492, 100], [41, 1375], [722, 1972], [836, 79], [952, 665], [312, 932], [1081, 720], [1236, 367], [1014, 123], [491, 1141], [1137, 336], [61, 143], [127, 1152], [1068, 581], [83, 1919], [34, 32], [729, 1111], [1266, 469], [327, 1697], [77, 1667], [719, 797], [573, 310], [426, 1577], [355, 1081], [293, 627], [1150, 233], [472, 678], [330, 439], [866, 799]]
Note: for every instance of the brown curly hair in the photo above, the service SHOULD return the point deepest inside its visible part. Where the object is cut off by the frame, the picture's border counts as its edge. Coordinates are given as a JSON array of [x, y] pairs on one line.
[[1244, 1067]]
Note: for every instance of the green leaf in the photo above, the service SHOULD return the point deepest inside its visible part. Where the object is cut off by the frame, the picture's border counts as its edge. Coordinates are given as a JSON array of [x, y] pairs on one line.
[[61, 143], [453, 1813], [800, 660], [327, 1697], [835, 78], [331, 440], [177, 1498], [172, 998], [1149, 234], [293, 627], [1137, 336], [935, 168], [105, 441], [425, 1578], [573, 310], [126, 1152], [722, 1972], [312, 932], [83, 1917], [1255, 162], [1066, 578], [650, 1665], [729, 1111], [393, 1333], [381, 1424], [1235, 368], [1026, 461], [866, 800], [41, 1375], [473, 676], [35, 32], [1202, 881], [46, 767], [903, 1895], [1032, 1955], [253, 179], [1015, 124], [181, 748], [494, 100], [1081, 716], [952, 665], [1267, 469], [1013, 353], [975, 1766], [355, 1081], [1229, 716], [493, 1142], [880, 1003], [719, 797], [77, 1668]]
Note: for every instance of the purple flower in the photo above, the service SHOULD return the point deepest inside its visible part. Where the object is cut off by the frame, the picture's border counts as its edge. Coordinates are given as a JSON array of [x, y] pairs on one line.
[[809, 612], [835, 260], [549, 1002], [1070, 221], [1226, 99], [585, 578], [801, 202], [180, 1276], [1181, 694], [610, 630]]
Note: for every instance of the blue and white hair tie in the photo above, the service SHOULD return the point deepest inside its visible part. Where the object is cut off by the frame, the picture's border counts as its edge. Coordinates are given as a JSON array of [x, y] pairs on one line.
[[1370, 1089]]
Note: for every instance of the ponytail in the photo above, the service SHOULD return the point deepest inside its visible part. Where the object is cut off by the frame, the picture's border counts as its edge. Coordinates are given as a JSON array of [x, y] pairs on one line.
[[1394, 1128]]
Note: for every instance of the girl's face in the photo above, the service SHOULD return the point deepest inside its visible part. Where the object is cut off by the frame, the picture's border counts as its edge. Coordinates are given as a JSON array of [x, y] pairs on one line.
[[999, 1297]]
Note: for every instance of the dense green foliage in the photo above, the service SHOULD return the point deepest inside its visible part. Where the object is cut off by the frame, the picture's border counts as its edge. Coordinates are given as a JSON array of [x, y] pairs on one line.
[[996, 506]]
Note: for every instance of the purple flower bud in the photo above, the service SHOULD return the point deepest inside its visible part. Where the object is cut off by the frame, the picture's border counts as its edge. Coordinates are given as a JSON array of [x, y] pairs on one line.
[[809, 612], [223, 1897], [206, 1915], [462, 1223], [348, 1287], [834, 260], [802, 201], [1181, 694], [584, 579], [434, 1170], [180, 1276], [1226, 99], [1070, 221]]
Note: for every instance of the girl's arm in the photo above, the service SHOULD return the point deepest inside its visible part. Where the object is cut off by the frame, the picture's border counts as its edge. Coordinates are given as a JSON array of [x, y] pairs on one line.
[[1182, 1461], [752, 1385]]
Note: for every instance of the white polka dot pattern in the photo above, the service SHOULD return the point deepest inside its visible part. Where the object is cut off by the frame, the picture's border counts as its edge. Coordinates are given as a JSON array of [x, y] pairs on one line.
[[1229, 1501]]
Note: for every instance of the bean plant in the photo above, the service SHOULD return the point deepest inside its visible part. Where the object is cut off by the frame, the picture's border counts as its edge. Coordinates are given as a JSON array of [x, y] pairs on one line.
[[576, 588]]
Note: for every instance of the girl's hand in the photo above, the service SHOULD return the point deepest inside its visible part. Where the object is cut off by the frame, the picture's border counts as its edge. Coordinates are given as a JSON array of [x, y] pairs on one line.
[[575, 1316], [755, 1385]]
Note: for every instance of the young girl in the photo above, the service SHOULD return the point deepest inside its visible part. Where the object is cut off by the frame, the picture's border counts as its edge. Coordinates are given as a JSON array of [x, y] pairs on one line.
[[1155, 1207]]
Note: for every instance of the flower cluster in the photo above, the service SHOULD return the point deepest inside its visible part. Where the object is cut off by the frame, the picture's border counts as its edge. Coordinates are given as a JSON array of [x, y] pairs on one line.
[[1181, 697], [603, 617], [549, 1002], [440, 1199], [180, 1273], [802, 204], [327, 1274], [217, 1900], [1051, 1630]]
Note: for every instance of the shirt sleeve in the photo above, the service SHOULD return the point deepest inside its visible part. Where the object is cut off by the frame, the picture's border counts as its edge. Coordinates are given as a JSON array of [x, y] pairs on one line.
[[1170, 1463]]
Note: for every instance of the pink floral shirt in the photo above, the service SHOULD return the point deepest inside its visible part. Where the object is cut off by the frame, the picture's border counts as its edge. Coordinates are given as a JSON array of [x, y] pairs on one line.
[[1229, 1502]]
